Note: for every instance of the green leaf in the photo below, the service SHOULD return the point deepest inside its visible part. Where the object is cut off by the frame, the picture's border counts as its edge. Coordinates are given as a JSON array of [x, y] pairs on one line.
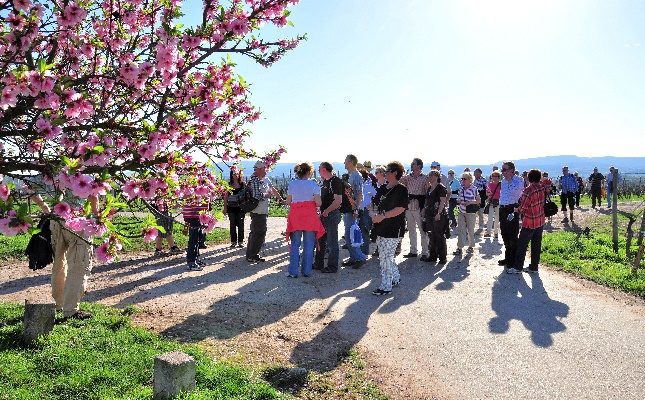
[[42, 65]]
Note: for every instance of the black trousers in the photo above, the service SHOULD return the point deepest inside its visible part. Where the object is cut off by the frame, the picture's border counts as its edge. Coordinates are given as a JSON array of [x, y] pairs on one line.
[[510, 231]]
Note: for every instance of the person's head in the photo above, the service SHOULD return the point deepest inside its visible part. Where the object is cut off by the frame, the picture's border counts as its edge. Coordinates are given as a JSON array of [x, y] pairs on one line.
[[508, 169], [534, 175], [478, 172], [435, 165], [525, 175], [416, 165], [611, 169], [495, 167], [565, 170], [595, 170], [236, 175], [259, 169], [545, 175], [325, 169], [379, 173], [351, 161], [575, 174], [496, 175], [304, 170], [368, 166], [394, 171], [467, 178], [467, 169], [434, 176], [451, 173]]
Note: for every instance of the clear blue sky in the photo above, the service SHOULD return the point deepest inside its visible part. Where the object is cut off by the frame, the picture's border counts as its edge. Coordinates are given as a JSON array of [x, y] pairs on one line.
[[461, 82]]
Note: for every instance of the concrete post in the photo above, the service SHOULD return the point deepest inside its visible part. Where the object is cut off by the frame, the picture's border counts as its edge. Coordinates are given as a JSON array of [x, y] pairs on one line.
[[174, 372], [38, 320]]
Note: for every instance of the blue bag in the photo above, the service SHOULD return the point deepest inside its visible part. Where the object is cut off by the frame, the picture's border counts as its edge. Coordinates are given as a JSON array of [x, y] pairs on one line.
[[356, 235]]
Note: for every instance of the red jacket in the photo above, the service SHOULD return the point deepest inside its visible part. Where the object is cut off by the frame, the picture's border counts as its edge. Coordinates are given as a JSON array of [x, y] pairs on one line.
[[303, 216]]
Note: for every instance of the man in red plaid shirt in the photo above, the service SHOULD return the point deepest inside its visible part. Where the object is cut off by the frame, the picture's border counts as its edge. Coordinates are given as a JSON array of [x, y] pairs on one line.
[[531, 207]]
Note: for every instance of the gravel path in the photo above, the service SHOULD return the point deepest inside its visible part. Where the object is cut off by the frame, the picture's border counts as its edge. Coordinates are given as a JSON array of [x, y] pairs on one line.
[[464, 331]]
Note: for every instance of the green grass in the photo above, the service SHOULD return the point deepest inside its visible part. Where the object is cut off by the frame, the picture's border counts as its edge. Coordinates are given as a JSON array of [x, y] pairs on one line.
[[106, 357], [592, 257]]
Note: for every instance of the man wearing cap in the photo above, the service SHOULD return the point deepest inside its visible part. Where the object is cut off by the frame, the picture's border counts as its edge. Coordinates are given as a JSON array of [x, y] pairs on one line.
[[259, 215], [417, 184], [596, 179]]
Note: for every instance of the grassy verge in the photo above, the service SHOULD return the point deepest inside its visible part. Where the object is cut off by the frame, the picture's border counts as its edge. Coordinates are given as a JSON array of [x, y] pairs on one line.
[[106, 357], [591, 255]]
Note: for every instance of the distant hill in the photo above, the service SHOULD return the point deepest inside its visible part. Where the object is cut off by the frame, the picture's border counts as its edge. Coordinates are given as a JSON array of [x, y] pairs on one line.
[[552, 164]]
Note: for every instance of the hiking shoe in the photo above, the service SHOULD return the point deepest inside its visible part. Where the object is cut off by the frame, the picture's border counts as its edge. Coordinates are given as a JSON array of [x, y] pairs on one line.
[[513, 271], [381, 292], [175, 250], [233, 245], [349, 263], [470, 250], [457, 252], [240, 245], [200, 263], [255, 259], [291, 276], [444, 261], [328, 270], [159, 253], [396, 282], [203, 246], [501, 262], [359, 264], [410, 255], [194, 267]]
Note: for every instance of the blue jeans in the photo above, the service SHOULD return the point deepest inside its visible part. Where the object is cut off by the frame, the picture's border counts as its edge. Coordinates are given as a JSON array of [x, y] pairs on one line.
[[329, 242], [609, 192], [308, 240], [535, 237], [355, 253], [194, 236], [366, 225]]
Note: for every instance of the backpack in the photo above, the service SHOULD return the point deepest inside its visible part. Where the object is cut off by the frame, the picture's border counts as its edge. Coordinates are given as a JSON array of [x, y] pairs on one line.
[[348, 202], [246, 201], [234, 200], [39, 249]]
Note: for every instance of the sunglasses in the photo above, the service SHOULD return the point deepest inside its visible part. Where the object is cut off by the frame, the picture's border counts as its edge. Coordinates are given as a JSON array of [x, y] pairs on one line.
[[389, 170], [505, 169]]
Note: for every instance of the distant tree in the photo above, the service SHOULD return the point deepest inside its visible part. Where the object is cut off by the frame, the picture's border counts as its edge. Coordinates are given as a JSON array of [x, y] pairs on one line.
[[115, 96]]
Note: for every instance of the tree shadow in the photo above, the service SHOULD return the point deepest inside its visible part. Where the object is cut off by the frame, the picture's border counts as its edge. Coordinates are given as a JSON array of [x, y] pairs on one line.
[[513, 298]]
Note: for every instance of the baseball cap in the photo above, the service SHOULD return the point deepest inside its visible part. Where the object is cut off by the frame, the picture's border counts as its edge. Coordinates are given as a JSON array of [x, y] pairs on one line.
[[435, 164]]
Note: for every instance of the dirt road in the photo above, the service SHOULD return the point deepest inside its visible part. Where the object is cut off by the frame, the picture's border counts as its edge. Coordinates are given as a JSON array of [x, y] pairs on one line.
[[464, 331]]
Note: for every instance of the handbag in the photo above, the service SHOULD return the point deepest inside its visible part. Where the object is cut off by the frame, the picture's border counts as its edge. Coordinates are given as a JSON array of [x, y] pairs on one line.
[[550, 208]]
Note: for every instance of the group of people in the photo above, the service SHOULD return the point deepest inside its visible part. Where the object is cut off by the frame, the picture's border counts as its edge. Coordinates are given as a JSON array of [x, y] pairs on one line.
[[384, 205]]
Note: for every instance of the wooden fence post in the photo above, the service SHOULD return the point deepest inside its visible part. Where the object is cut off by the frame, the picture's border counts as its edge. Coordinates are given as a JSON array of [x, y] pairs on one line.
[[614, 208]]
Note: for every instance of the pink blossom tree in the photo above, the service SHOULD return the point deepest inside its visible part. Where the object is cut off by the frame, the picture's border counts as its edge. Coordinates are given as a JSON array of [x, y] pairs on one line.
[[105, 97]]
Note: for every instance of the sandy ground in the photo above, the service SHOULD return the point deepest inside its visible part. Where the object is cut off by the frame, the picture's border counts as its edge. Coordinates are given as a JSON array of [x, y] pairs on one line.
[[462, 331]]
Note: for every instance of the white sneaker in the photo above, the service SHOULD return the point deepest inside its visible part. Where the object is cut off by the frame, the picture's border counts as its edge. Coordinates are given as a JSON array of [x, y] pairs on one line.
[[194, 267], [512, 271]]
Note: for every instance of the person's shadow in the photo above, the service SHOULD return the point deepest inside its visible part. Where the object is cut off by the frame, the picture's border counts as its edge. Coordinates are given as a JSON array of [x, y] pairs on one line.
[[513, 298]]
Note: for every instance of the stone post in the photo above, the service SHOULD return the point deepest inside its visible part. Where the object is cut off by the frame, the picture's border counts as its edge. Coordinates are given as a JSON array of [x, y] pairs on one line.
[[38, 320], [174, 372]]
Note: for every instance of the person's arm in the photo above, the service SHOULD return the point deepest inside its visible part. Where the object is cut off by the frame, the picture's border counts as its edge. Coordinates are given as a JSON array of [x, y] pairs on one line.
[[40, 203], [289, 199], [317, 200], [335, 205], [94, 204], [387, 214]]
